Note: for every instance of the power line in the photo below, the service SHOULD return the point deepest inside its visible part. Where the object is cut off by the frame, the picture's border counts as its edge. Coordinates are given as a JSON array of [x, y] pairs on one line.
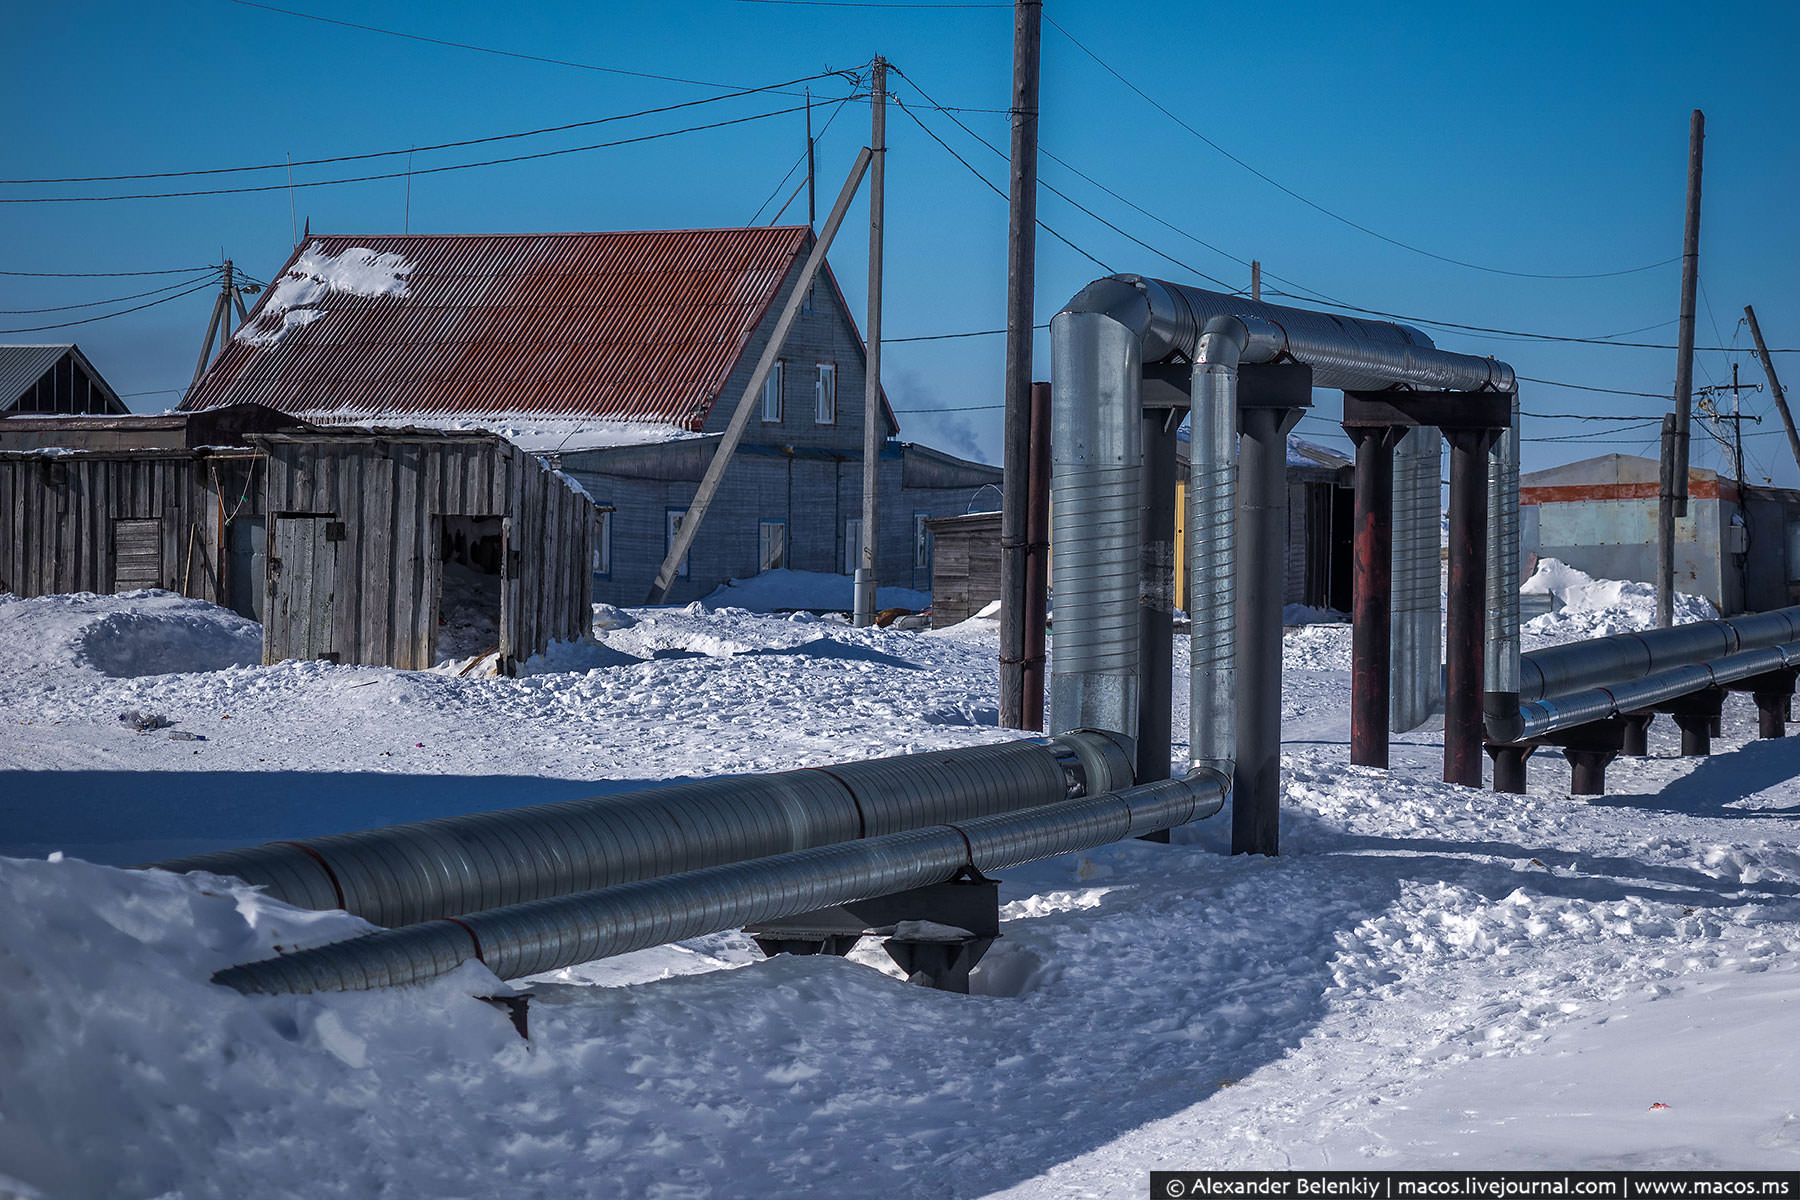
[[416, 37], [200, 287], [498, 137], [790, 171], [868, 4], [1587, 387], [516, 158], [1147, 98], [105, 274], [19, 312]]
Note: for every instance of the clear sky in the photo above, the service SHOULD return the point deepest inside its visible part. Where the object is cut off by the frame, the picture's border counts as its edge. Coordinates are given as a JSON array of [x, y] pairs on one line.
[[1533, 138]]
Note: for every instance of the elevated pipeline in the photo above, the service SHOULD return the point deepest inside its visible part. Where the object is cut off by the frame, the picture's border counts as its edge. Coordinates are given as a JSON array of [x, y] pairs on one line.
[[525, 939], [405, 874], [1558, 671]]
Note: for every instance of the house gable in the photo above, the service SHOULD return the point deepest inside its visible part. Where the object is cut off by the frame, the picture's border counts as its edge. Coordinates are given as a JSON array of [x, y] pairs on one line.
[[54, 379]]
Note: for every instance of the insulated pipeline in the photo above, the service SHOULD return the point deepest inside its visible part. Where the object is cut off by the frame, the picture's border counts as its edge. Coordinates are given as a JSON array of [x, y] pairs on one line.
[[1557, 671], [542, 935], [1547, 716], [404, 874]]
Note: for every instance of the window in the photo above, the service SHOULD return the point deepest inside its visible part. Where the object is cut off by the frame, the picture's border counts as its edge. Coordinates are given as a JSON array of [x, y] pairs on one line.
[[675, 517], [921, 542], [771, 541], [772, 394], [825, 391], [603, 542], [852, 545]]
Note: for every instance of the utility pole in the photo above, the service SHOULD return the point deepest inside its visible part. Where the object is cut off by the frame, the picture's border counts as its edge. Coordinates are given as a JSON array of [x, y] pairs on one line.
[[1672, 502], [1256, 280], [811, 211], [1768, 365], [873, 432], [1736, 416], [231, 295], [1021, 286]]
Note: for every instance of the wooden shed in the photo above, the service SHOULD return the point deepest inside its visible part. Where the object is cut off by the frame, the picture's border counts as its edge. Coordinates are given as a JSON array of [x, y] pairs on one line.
[[409, 547], [965, 566]]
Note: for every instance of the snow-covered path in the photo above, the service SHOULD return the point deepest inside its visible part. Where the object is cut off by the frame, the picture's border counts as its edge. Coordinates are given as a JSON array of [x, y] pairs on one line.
[[1428, 976]]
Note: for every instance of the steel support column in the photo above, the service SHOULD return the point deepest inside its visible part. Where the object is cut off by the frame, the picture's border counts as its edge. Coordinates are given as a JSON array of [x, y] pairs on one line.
[[1465, 617], [1371, 630], [1636, 737], [1509, 765], [1261, 577], [1156, 598], [1037, 558]]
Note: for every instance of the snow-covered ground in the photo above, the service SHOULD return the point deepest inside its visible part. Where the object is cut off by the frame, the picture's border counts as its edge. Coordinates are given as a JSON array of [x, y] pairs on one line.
[[1428, 976]]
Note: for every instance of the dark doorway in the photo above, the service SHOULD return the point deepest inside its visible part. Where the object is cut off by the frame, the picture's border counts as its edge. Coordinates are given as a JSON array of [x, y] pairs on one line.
[[469, 588]]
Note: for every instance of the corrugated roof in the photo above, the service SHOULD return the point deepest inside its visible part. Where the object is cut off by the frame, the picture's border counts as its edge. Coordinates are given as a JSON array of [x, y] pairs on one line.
[[641, 326], [22, 366]]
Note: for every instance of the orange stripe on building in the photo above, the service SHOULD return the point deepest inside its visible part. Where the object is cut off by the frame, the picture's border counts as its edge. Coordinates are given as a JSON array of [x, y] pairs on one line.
[[1698, 489]]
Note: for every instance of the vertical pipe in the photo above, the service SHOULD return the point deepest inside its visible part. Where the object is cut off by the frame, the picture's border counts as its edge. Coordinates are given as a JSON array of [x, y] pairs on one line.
[[1212, 559], [1021, 260], [1096, 454], [1156, 593], [1464, 621], [1416, 684], [873, 433], [1037, 562], [1665, 527], [1262, 527], [1500, 687], [1372, 594]]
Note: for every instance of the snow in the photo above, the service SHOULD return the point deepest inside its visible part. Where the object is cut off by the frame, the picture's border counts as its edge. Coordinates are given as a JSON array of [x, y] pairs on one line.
[[301, 291], [540, 434], [1429, 976], [784, 589], [1593, 608]]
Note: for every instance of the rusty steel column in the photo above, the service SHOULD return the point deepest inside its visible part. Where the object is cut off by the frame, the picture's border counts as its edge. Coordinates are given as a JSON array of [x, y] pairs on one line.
[[1465, 616], [1037, 557], [1509, 765], [1371, 630]]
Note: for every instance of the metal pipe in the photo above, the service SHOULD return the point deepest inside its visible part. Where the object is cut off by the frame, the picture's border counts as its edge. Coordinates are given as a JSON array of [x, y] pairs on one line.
[[1037, 558], [1262, 524], [1551, 715], [1560, 670], [1416, 679], [525, 939], [1212, 549], [1372, 594], [1500, 662], [403, 874]]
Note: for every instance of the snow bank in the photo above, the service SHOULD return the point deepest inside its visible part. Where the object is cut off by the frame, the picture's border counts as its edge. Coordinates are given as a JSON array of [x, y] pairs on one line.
[[1597, 607], [774, 591], [138, 633], [299, 295]]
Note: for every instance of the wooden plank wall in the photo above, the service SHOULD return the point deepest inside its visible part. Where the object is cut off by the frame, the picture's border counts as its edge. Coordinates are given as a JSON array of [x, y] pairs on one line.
[[391, 493], [57, 515], [965, 567]]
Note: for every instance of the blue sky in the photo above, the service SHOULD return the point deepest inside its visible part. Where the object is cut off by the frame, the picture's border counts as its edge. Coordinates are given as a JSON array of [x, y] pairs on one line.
[[1531, 138]]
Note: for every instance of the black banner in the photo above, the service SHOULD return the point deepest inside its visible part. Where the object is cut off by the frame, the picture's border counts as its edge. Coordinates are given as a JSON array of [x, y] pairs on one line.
[[1477, 1185]]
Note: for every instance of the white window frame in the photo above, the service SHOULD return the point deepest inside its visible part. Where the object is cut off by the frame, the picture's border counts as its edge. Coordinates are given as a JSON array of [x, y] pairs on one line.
[[852, 545], [764, 561], [603, 544], [825, 394], [672, 525], [771, 400]]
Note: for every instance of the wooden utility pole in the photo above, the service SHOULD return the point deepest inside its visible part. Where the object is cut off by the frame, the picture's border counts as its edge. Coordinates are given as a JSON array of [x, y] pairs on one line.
[[1021, 284], [811, 214], [740, 419], [219, 324], [874, 432], [1672, 502], [1768, 365]]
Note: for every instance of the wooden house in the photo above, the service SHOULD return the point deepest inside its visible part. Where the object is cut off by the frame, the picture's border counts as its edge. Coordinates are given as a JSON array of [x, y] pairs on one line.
[[618, 358]]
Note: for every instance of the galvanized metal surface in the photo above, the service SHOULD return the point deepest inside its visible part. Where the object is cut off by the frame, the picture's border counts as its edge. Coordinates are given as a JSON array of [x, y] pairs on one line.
[[1501, 662], [524, 939], [1212, 551], [1096, 459], [1417, 656], [1560, 670], [638, 326], [1546, 716], [405, 874]]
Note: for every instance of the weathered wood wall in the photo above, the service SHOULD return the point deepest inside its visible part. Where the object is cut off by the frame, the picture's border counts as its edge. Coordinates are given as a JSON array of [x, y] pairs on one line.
[[965, 566], [61, 515], [391, 491]]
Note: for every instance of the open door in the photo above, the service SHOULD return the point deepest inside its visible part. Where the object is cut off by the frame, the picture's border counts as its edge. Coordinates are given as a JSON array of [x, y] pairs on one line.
[[302, 589]]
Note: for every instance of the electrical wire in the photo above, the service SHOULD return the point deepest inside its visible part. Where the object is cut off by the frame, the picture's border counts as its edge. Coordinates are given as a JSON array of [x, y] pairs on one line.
[[105, 274], [790, 171], [516, 158], [19, 312], [1147, 98], [498, 137], [204, 285]]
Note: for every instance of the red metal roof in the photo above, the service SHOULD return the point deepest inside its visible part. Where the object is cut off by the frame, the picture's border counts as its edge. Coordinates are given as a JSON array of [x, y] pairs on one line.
[[641, 326]]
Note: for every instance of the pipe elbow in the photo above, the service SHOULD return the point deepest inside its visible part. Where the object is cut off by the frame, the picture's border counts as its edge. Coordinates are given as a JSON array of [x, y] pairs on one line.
[[1118, 298], [1502, 718]]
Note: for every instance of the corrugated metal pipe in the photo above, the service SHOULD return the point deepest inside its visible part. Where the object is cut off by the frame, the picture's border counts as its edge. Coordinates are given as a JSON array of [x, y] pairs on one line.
[[1500, 659], [1541, 717], [1417, 605], [404, 874], [525, 939], [1558, 671]]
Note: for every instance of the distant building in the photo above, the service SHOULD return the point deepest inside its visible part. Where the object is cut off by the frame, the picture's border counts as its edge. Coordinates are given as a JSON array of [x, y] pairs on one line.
[[1738, 546], [618, 358], [53, 379]]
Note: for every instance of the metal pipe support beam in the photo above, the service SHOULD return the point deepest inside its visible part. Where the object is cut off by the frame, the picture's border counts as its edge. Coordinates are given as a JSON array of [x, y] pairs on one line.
[[1371, 621], [1465, 616]]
